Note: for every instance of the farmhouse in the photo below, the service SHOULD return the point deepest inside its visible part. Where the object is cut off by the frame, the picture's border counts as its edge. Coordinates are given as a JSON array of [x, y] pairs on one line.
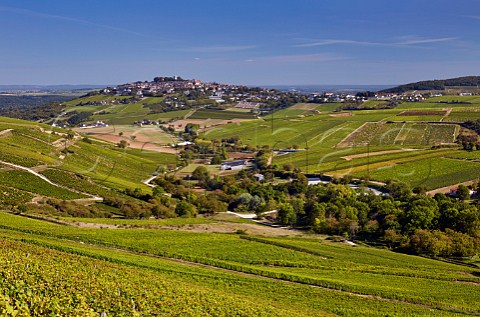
[[453, 192], [233, 165], [259, 177]]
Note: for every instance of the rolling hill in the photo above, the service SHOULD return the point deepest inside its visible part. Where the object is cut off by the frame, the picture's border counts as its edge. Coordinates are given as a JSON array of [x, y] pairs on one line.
[[96, 221]]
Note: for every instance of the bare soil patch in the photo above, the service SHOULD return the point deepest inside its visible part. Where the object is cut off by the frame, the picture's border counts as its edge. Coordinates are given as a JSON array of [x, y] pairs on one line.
[[351, 157], [217, 227], [205, 124], [342, 114], [147, 146], [446, 189], [305, 106], [240, 155], [423, 113], [232, 227]]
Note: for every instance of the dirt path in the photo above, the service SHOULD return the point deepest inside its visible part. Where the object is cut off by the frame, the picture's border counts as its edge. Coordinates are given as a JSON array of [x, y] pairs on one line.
[[6, 132], [148, 180], [344, 142], [447, 113], [189, 114]]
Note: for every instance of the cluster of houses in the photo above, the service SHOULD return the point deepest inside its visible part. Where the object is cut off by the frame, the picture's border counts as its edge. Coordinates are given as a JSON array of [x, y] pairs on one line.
[[343, 97], [244, 97], [145, 122], [97, 124], [140, 88], [334, 97]]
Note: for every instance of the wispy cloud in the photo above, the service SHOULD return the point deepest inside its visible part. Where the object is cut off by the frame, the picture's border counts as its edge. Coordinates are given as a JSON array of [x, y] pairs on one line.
[[300, 58], [334, 42], [414, 41], [211, 48], [410, 41], [475, 17], [68, 19]]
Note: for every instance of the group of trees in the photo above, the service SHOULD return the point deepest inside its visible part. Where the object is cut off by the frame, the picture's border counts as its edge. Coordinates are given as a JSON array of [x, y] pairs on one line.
[[467, 81], [439, 225], [363, 106]]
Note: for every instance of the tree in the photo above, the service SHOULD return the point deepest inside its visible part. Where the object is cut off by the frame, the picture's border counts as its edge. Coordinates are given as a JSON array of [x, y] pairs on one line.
[[398, 190], [70, 135], [209, 204], [122, 144], [420, 190], [216, 160], [201, 174], [463, 193], [286, 215], [184, 209], [422, 213]]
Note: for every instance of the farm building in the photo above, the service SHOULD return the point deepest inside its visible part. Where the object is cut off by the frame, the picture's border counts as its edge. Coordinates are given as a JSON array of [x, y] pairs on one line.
[[259, 177], [453, 192], [315, 181], [233, 165]]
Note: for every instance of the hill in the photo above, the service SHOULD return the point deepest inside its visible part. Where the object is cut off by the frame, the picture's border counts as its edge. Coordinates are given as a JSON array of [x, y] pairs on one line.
[[437, 84]]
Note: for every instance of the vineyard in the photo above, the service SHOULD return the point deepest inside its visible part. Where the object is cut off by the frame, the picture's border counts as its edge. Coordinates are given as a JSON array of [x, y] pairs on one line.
[[11, 196], [384, 134], [433, 173], [390, 283], [31, 183]]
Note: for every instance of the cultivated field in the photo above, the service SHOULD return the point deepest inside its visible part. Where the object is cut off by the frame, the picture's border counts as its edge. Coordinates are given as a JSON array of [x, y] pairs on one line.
[[330, 135], [149, 137]]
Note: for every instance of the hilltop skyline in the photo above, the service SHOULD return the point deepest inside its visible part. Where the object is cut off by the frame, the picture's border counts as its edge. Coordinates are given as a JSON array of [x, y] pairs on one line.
[[267, 43]]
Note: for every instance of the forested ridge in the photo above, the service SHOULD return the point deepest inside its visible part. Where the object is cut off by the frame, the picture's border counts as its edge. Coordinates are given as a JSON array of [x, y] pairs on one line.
[[437, 84]]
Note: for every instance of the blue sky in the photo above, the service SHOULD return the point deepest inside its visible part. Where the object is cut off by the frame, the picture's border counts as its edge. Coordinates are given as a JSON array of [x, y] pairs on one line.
[[257, 42]]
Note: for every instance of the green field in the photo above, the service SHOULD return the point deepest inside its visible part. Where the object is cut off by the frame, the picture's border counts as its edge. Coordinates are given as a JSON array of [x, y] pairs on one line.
[[331, 135]]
